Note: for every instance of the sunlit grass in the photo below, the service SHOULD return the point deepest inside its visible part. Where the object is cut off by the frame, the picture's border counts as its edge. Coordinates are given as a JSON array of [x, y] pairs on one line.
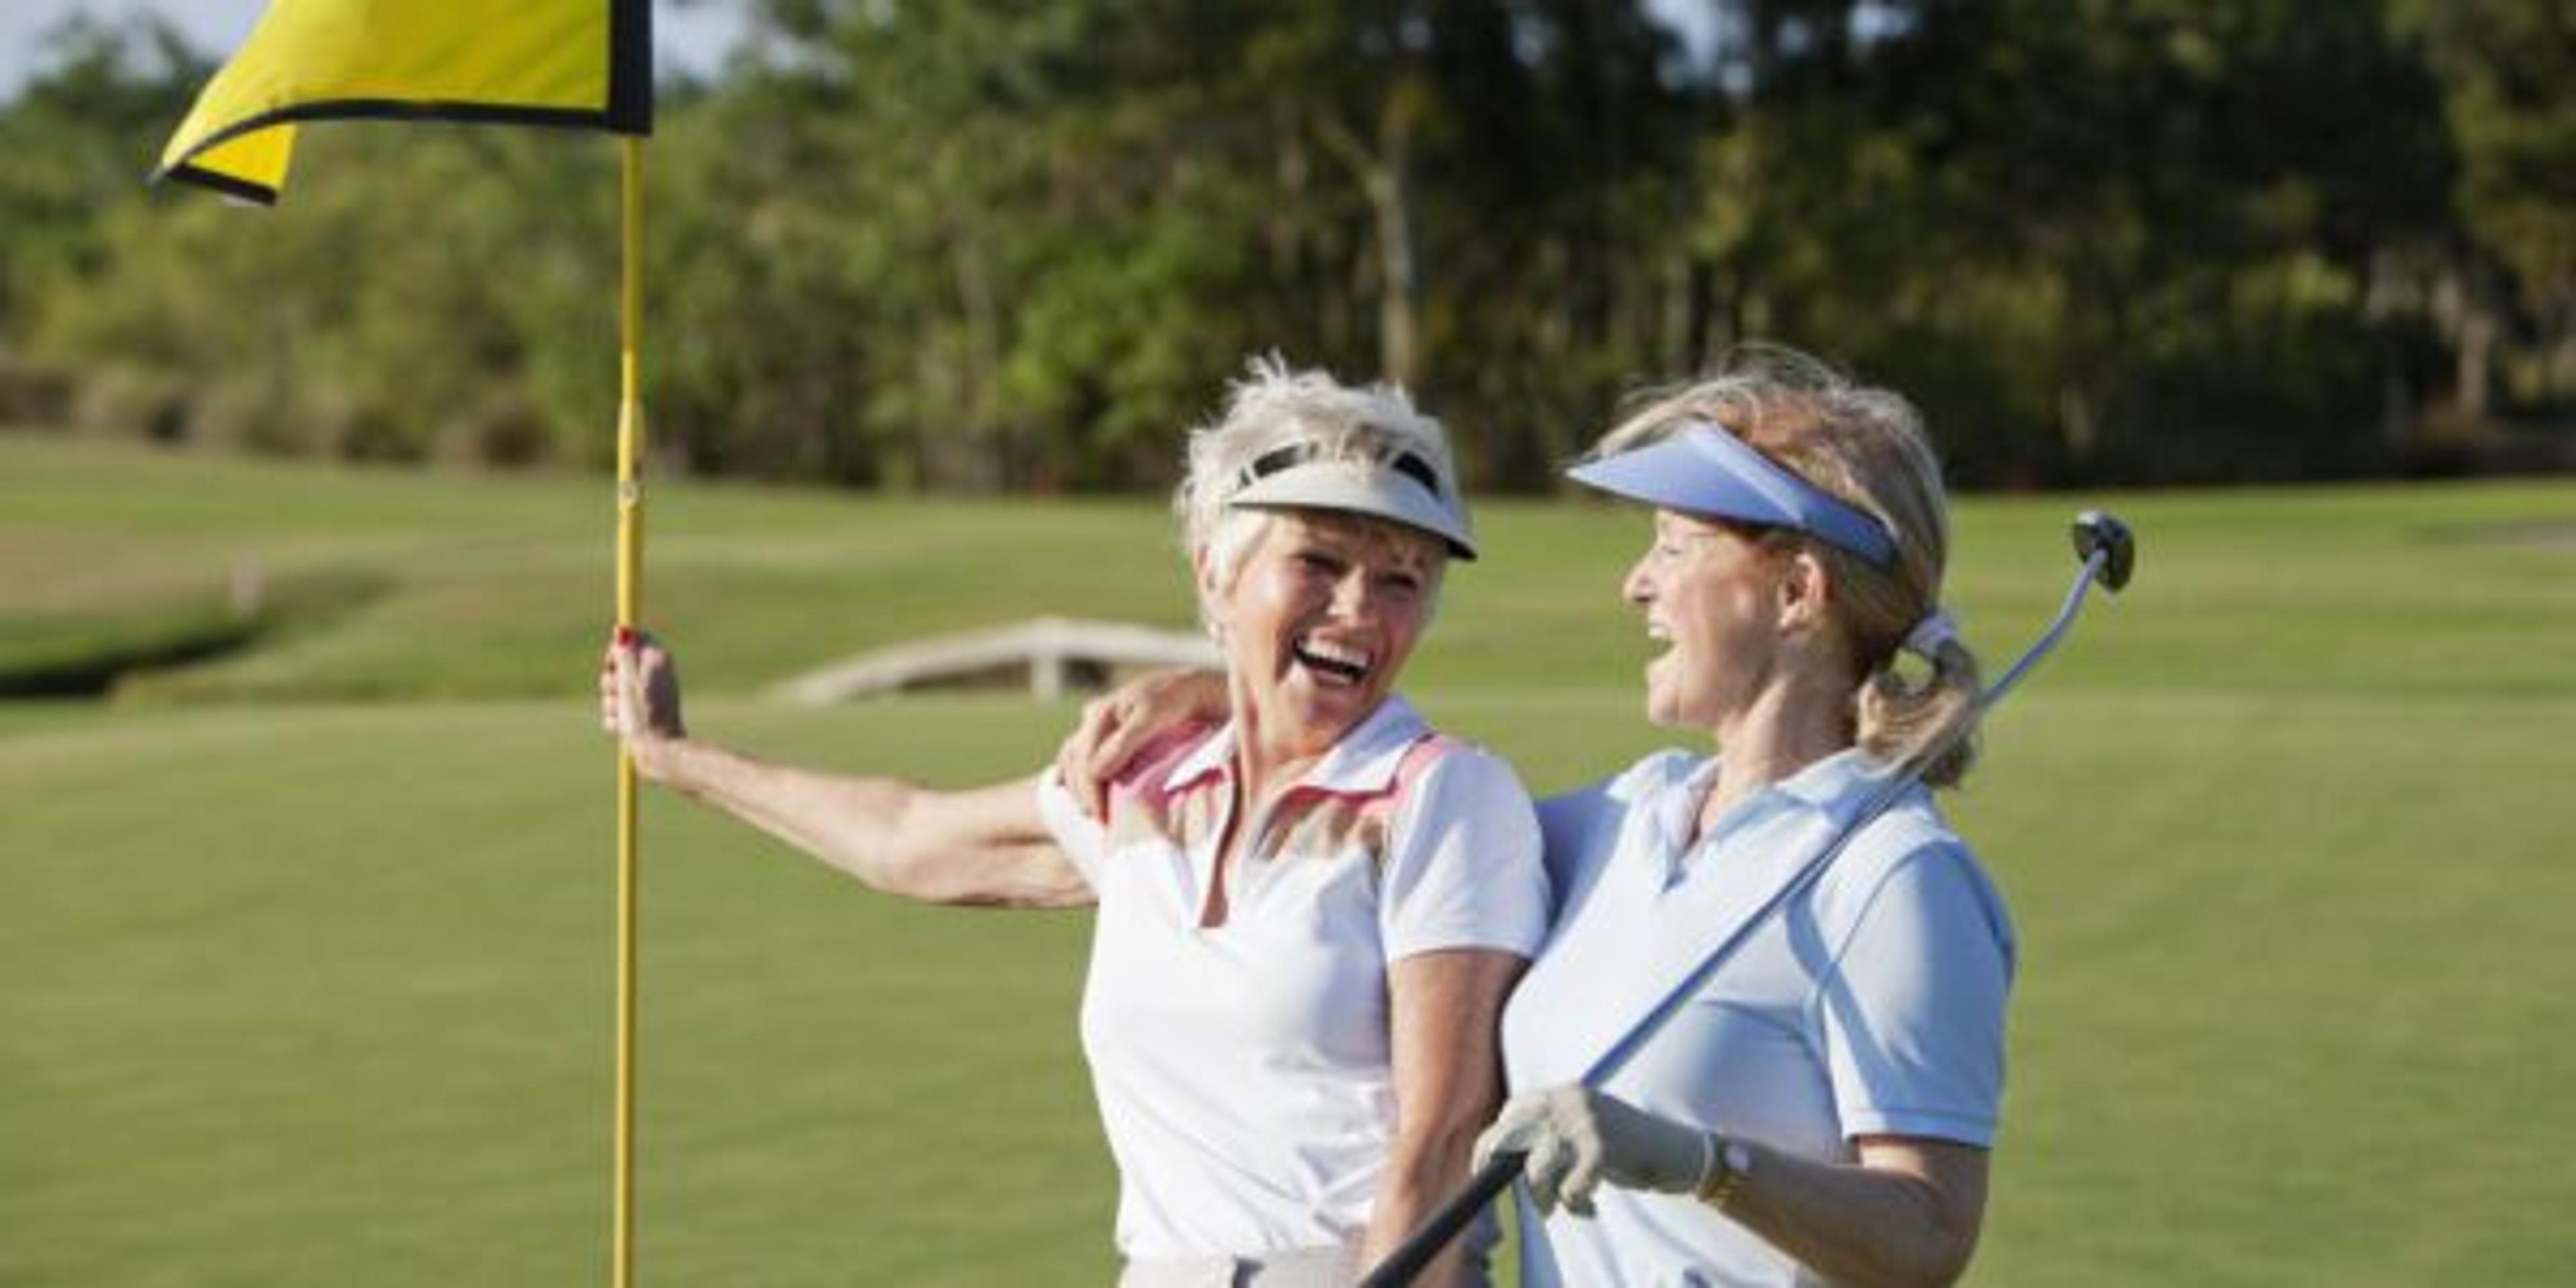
[[303, 992]]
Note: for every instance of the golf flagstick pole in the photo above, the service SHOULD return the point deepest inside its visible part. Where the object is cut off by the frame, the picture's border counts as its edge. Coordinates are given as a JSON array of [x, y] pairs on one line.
[[630, 613], [2108, 553]]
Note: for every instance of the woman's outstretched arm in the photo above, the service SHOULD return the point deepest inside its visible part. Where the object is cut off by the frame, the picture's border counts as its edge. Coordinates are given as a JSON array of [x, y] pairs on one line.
[[981, 846]]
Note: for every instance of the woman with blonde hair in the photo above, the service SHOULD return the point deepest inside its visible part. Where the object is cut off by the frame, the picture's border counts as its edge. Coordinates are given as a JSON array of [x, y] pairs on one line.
[[1821, 1108], [1310, 909]]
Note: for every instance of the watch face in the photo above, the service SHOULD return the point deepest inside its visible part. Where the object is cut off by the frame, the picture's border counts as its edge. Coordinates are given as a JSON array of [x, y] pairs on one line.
[[1739, 1157]]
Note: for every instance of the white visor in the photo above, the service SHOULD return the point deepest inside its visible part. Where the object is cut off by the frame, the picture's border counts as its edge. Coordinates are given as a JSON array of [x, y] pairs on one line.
[[1406, 490]]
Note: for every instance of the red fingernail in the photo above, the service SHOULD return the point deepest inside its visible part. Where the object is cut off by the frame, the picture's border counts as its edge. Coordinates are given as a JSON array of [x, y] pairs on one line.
[[625, 636]]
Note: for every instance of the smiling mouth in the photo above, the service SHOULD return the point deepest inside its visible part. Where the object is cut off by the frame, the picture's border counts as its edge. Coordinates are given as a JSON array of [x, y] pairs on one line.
[[1336, 665]]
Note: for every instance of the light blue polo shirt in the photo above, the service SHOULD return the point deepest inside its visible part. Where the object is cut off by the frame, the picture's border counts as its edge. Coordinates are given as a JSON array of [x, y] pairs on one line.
[[1870, 1004]]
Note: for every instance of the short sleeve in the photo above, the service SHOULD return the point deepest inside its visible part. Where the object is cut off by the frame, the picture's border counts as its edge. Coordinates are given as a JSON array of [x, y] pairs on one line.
[[1462, 868], [1578, 828], [1083, 839], [1566, 823], [1913, 1009]]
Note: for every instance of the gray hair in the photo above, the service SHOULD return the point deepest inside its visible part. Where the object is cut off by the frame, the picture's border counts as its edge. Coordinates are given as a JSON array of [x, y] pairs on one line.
[[1271, 407], [1866, 446]]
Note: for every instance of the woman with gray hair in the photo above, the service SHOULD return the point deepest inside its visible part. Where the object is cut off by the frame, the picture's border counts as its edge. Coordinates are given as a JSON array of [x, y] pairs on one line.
[[1310, 908], [1820, 1107]]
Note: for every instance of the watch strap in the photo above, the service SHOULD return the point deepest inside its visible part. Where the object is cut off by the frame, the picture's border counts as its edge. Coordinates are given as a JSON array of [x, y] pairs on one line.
[[1728, 1161]]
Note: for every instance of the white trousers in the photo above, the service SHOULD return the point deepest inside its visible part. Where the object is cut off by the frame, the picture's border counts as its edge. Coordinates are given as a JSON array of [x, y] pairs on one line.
[[1301, 1268]]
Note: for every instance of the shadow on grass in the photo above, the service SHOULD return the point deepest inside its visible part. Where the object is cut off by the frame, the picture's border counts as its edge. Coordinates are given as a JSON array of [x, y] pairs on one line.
[[89, 656]]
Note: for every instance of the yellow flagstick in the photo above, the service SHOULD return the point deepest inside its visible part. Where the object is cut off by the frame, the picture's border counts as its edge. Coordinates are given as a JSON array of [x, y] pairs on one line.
[[581, 63], [630, 615]]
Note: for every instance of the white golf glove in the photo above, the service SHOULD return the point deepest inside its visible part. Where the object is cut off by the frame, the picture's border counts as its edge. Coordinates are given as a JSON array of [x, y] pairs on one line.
[[1577, 1138]]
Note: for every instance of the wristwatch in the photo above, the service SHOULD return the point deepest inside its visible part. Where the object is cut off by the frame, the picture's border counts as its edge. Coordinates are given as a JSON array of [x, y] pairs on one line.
[[1733, 1161]]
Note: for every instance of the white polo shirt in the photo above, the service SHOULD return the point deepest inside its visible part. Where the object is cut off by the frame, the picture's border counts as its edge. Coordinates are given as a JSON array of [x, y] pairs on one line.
[[1243, 1070], [1872, 1004]]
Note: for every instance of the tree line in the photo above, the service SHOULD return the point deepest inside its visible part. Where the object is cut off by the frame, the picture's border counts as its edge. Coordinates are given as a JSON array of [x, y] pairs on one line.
[[1017, 244]]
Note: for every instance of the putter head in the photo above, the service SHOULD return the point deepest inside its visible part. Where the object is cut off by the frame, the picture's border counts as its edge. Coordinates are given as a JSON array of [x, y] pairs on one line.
[[2098, 530]]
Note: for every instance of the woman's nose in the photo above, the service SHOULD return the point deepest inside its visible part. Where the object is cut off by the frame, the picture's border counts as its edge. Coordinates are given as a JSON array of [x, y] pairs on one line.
[[1351, 593], [1638, 588]]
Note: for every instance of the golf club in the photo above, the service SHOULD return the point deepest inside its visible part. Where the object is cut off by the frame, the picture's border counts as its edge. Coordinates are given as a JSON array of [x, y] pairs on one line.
[[2109, 554]]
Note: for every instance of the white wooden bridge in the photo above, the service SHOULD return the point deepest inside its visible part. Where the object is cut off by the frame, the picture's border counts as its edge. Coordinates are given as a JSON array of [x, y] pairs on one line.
[[1050, 655]]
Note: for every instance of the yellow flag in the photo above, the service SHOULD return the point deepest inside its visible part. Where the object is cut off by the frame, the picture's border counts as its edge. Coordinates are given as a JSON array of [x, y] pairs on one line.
[[582, 63]]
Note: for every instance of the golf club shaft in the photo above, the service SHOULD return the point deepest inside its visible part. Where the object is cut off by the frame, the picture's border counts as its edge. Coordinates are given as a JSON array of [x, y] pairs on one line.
[[2093, 564], [1432, 1235], [1893, 785], [1426, 1241]]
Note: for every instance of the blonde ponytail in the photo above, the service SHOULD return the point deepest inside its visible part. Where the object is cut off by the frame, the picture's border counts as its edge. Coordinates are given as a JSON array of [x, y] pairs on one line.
[[1903, 721]]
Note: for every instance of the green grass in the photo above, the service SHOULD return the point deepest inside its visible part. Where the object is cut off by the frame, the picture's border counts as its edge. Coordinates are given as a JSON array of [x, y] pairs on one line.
[[500, 587], [308, 991], [322, 996]]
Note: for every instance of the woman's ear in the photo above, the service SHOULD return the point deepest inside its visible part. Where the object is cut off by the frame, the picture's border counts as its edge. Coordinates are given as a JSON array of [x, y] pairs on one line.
[[1203, 575], [1805, 589]]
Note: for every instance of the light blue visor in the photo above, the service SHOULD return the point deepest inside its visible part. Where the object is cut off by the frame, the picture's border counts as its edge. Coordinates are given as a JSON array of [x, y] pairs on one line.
[[1705, 470]]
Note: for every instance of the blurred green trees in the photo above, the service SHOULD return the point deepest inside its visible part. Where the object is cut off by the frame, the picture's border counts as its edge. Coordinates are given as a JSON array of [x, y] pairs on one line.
[[989, 244]]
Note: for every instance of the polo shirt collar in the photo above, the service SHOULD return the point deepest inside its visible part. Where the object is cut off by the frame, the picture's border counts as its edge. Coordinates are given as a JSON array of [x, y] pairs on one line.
[[1833, 784], [1833, 787], [1363, 763]]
